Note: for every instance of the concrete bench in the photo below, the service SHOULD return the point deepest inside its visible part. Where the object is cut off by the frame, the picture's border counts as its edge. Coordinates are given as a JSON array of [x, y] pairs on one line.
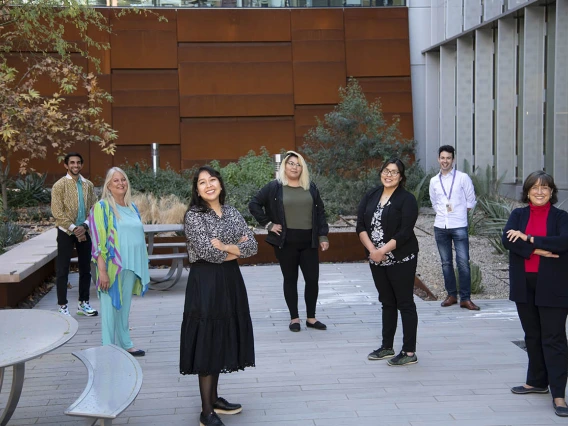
[[18, 267], [114, 380]]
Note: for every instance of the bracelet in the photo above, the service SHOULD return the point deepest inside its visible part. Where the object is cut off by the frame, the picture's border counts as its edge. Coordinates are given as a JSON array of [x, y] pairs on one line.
[[268, 225], [529, 236]]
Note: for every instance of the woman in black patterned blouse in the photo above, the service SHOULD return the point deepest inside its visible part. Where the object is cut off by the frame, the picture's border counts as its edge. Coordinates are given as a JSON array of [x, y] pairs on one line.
[[216, 333], [385, 225]]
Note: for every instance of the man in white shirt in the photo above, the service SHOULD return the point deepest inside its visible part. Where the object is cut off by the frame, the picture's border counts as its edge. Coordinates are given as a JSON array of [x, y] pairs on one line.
[[452, 196]]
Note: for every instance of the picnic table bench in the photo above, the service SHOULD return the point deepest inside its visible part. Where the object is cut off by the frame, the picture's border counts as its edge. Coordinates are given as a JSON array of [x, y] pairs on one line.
[[114, 381]]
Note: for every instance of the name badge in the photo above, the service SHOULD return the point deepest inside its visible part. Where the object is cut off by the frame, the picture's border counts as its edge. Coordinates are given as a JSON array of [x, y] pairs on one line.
[[449, 208]]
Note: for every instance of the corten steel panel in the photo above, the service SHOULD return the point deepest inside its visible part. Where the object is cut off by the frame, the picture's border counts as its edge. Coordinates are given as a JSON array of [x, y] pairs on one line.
[[231, 105], [234, 78], [317, 24], [145, 88], [99, 163], [233, 25], [169, 155], [144, 42], [395, 93], [318, 82], [377, 42], [377, 58], [144, 125], [231, 138], [305, 119], [234, 52], [318, 51], [376, 23], [103, 55]]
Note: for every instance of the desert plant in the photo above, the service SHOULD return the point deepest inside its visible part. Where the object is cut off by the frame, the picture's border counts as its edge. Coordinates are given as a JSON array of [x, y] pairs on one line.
[[28, 190], [476, 278], [10, 234]]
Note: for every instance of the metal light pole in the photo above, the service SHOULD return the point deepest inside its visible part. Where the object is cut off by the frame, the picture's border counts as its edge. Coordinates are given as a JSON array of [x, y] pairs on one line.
[[155, 151], [277, 162]]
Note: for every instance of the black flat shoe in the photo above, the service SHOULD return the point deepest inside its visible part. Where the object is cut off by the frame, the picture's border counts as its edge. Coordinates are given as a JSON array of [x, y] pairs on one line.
[[222, 406], [559, 410], [317, 325], [138, 352], [212, 419], [521, 390], [295, 327]]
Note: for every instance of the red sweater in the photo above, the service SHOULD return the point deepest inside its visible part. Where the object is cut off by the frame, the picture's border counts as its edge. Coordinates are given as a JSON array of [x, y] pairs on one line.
[[536, 227]]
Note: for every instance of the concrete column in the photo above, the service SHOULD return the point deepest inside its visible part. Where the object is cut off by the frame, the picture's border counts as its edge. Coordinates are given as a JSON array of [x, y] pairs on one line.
[[484, 102], [433, 116], [464, 104], [533, 91], [471, 13], [506, 99], [447, 95], [454, 17], [561, 96]]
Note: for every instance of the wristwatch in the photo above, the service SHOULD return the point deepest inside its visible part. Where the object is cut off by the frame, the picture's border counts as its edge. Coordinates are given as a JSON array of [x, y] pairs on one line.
[[529, 236], [84, 225]]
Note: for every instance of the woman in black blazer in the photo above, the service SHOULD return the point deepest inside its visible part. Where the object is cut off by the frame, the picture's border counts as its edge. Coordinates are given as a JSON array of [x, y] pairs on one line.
[[292, 211], [537, 239], [385, 225]]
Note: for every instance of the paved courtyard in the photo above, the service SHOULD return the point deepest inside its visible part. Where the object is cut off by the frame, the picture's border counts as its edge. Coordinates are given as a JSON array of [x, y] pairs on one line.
[[467, 363]]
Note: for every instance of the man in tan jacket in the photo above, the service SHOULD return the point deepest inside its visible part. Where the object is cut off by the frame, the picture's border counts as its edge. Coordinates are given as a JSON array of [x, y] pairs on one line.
[[72, 197]]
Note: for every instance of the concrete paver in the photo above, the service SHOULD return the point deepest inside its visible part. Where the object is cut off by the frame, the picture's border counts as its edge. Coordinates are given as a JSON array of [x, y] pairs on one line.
[[467, 363]]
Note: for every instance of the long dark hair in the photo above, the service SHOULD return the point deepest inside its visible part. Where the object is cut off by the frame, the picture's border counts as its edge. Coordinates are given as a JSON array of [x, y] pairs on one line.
[[196, 201], [400, 165]]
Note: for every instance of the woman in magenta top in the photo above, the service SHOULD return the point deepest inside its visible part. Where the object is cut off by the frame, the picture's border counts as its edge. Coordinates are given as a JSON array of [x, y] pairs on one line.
[[537, 239]]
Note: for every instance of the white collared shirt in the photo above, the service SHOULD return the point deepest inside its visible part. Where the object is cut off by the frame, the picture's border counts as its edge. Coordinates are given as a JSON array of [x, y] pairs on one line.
[[461, 199]]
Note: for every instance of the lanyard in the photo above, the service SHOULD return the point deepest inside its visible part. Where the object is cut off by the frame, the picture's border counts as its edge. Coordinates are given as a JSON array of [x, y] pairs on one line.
[[451, 187]]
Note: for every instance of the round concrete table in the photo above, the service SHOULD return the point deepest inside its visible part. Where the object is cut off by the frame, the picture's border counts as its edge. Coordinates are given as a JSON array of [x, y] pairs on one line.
[[26, 334]]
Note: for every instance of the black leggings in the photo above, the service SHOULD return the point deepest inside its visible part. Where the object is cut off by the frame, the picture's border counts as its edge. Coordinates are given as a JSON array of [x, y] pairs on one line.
[[299, 254]]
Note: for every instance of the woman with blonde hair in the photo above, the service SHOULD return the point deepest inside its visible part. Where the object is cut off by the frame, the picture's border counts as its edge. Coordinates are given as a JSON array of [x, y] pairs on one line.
[[119, 250], [292, 211]]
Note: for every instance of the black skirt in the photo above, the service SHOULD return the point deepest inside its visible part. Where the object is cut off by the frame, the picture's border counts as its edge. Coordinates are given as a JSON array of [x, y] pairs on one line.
[[216, 332]]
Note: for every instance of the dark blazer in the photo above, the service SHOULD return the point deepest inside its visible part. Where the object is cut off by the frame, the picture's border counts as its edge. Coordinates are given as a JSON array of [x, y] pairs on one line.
[[552, 277], [268, 206], [398, 219]]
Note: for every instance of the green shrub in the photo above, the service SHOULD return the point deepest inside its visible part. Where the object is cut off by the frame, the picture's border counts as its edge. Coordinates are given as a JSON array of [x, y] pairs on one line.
[[28, 191], [244, 178], [476, 278], [10, 234], [166, 182]]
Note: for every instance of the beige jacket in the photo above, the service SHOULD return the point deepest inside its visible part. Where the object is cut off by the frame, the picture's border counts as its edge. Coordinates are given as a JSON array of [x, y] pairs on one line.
[[65, 201]]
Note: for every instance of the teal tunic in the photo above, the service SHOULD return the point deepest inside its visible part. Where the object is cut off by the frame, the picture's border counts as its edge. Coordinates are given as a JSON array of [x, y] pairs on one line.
[[133, 249]]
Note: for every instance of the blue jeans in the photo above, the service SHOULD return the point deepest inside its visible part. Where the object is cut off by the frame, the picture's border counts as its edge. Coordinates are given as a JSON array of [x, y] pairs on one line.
[[444, 238]]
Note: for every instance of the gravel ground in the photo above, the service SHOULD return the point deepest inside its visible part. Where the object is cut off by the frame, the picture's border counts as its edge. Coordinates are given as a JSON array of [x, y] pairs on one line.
[[494, 267]]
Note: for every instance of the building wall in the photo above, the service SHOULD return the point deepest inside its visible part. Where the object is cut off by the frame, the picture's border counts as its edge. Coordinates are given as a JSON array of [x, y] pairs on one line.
[[214, 84], [495, 85]]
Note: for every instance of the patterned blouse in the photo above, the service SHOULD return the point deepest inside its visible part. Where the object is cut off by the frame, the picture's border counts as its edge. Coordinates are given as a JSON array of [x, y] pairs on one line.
[[202, 227], [377, 238]]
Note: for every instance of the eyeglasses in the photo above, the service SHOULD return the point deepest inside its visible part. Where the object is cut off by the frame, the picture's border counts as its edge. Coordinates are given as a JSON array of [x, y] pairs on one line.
[[292, 164], [387, 172], [541, 189]]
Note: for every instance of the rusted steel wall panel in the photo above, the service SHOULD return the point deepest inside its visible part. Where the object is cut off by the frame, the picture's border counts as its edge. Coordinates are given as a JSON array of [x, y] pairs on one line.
[[131, 154]]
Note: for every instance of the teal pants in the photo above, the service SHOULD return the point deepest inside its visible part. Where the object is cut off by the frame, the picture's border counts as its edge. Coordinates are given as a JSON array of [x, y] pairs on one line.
[[115, 321]]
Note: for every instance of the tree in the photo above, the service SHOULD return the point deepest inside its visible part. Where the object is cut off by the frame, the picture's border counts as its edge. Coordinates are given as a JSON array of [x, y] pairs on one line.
[[349, 145], [45, 36]]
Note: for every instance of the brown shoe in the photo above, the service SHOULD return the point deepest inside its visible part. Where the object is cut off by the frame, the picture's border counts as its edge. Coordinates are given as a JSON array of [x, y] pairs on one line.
[[450, 300], [468, 304]]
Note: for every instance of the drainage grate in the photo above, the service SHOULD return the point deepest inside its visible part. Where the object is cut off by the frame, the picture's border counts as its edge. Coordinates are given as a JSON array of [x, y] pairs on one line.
[[521, 344]]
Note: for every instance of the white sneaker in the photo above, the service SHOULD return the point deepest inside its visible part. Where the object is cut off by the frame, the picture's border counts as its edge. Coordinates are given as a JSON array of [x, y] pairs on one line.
[[85, 309], [64, 310]]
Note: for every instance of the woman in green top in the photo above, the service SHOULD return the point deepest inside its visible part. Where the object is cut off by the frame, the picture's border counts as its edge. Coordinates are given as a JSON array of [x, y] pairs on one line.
[[119, 250], [291, 208]]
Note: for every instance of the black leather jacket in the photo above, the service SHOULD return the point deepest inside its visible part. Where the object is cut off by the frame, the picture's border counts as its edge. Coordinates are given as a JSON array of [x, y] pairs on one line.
[[267, 206]]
